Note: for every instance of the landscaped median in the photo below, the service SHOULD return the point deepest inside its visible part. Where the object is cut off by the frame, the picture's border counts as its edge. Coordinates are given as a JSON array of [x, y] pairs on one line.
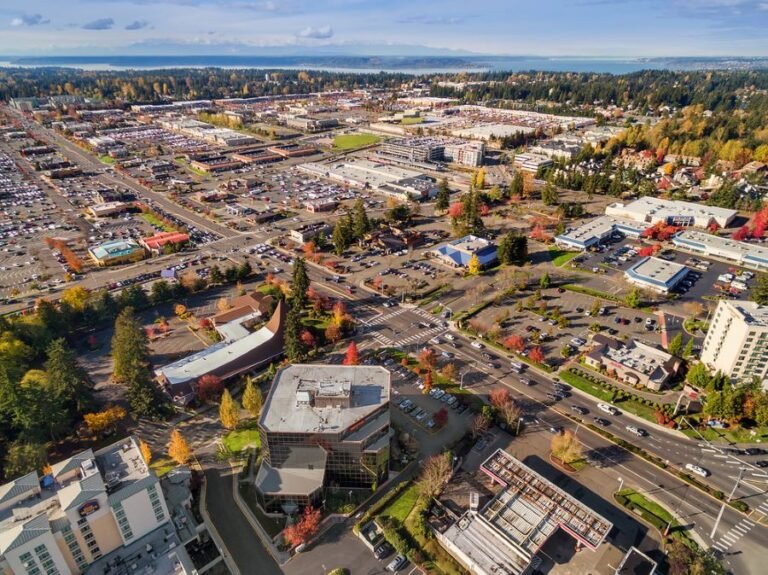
[[654, 514]]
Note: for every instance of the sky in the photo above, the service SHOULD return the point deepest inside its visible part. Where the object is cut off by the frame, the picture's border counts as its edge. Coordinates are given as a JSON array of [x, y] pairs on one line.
[[597, 28]]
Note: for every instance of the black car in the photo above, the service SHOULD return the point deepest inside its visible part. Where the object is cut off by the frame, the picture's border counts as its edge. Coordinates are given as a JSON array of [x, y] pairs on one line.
[[383, 550], [555, 429], [762, 463], [601, 421], [755, 451], [578, 409]]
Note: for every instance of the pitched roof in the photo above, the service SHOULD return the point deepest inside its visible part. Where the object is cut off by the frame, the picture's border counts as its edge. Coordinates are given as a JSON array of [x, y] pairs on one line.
[[19, 486]]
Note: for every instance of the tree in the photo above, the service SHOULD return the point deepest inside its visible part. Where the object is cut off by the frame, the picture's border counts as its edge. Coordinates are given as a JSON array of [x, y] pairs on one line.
[[105, 420], [130, 354], [428, 384], [67, 379], [307, 339], [514, 342], [229, 410], [633, 298], [352, 357], [760, 290], [304, 528], [549, 195], [480, 424], [676, 345], [178, 448], [566, 447], [688, 350], [545, 281], [361, 223], [427, 359], [435, 473], [595, 310], [299, 284], [333, 333], [473, 267], [441, 417], [146, 451], [161, 292], [293, 348], [76, 298], [252, 399], [536, 355], [24, 457], [209, 387], [443, 196], [516, 188], [449, 371], [223, 304], [215, 275], [340, 237]]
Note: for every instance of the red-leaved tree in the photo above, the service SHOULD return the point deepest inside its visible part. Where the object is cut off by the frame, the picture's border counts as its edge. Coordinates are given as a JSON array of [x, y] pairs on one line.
[[308, 339], [456, 210], [536, 355], [499, 396], [515, 343], [441, 417], [209, 387], [352, 357], [304, 529]]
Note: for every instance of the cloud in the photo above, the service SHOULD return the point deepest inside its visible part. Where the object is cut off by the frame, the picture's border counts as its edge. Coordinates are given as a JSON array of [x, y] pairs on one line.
[[763, 6], [321, 33], [137, 25], [29, 20], [432, 20], [100, 24]]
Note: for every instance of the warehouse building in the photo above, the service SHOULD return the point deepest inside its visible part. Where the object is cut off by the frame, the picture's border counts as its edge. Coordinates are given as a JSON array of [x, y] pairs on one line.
[[741, 253], [656, 274], [598, 231], [672, 212]]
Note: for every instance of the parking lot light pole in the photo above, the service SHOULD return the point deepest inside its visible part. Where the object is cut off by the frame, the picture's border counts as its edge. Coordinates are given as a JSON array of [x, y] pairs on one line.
[[461, 382]]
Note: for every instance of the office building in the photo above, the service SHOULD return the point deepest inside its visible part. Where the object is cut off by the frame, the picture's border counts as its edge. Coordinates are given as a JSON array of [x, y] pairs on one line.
[[672, 212], [598, 231], [323, 425], [532, 162], [634, 363], [415, 149], [656, 274], [89, 506], [506, 535], [741, 253], [737, 340], [155, 244], [458, 253]]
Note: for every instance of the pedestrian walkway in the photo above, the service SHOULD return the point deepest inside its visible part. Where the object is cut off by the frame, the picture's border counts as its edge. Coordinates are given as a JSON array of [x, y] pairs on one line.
[[742, 528]]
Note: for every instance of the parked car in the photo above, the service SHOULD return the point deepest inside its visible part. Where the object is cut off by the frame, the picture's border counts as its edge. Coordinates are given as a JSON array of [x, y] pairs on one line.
[[396, 564], [383, 550]]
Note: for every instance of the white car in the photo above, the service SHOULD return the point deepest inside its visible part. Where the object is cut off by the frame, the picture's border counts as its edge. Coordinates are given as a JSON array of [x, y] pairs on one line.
[[696, 469], [477, 345], [449, 337], [607, 408]]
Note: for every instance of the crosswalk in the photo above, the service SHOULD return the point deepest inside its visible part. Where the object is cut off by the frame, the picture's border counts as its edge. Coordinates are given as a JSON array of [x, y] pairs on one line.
[[411, 336], [742, 528]]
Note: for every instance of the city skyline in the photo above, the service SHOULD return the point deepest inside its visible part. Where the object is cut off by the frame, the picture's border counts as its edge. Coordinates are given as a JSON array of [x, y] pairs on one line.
[[598, 28]]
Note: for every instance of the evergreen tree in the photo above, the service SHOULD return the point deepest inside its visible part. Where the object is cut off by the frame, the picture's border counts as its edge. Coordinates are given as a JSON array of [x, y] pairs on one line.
[[340, 237], [229, 410], [216, 276], [67, 379], [299, 284], [130, 354], [24, 457], [760, 290], [293, 348], [105, 305], [549, 195], [633, 298], [252, 399], [504, 250], [516, 188], [545, 281], [42, 414], [134, 296], [443, 196], [688, 350], [245, 270], [161, 292], [362, 224], [676, 345]]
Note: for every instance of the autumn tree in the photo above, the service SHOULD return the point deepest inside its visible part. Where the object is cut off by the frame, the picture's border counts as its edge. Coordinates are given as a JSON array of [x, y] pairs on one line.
[[352, 357], [307, 339], [105, 420], [441, 417], [304, 528], [427, 359], [473, 267], [23, 457], [448, 371], [480, 424], [566, 447], [229, 410], [209, 387], [252, 399], [514, 342], [428, 381], [536, 355], [223, 304], [435, 473], [505, 405], [178, 448], [146, 451]]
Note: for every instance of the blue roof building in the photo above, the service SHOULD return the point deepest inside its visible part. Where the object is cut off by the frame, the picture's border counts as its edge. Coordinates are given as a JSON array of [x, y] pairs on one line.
[[458, 252]]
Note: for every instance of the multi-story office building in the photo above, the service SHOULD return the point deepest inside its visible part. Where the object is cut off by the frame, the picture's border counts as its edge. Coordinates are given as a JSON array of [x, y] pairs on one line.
[[88, 506], [321, 426], [737, 340]]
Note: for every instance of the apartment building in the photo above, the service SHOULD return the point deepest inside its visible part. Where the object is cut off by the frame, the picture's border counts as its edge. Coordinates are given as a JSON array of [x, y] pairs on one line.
[[737, 340], [88, 506]]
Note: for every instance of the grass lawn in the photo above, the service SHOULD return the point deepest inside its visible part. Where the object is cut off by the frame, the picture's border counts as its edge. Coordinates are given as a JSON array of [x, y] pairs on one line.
[[105, 159], [586, 386], [561, 257], [239, 439], [411, 121], [402, 505], [162, 466], [353, 141], [153, 220], [732, 434], [655, 514]]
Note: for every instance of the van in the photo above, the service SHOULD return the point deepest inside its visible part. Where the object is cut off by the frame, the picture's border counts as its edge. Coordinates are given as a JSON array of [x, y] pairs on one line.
[[477, 345], [515, 366]]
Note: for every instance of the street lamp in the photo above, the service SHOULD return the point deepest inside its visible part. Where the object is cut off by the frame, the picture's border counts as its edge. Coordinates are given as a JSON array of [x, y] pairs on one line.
[[621, 483], [461, 383]]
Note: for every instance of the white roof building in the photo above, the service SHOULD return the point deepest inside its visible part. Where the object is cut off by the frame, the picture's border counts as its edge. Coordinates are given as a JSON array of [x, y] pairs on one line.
[[653, 210]]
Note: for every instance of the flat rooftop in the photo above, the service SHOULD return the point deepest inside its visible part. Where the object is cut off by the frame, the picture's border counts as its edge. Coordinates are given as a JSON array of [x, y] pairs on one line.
[[649, 208], [531, 507], [308, 398], [655, 270], [727, 247], [753, 314], [599, 228]]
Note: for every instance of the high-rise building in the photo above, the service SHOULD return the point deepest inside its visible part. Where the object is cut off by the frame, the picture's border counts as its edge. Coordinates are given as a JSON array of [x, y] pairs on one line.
[[737, 340], [321, 426], [89, 506]]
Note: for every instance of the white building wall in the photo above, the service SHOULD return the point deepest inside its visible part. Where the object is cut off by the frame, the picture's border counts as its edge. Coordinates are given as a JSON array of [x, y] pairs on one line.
[[141, 517], [47, 539], [732, 346]]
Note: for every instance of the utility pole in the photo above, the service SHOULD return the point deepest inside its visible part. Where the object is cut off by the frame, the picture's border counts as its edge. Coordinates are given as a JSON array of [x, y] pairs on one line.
[[727, 501]]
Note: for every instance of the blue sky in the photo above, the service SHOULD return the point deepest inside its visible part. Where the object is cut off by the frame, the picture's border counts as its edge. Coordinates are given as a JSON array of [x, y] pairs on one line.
[[606, 28]]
